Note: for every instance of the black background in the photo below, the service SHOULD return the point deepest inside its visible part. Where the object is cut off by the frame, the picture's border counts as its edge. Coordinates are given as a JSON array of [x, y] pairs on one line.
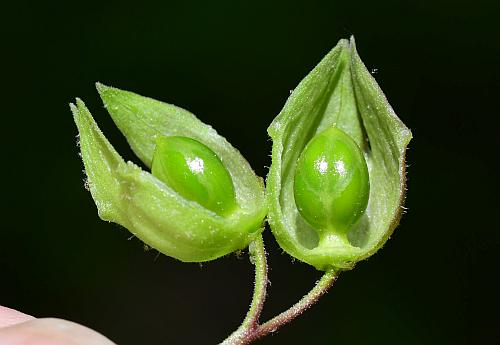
[[233, 63]]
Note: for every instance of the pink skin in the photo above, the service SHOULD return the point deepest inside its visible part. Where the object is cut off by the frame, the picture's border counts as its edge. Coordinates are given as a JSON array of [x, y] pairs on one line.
[[17, 328]]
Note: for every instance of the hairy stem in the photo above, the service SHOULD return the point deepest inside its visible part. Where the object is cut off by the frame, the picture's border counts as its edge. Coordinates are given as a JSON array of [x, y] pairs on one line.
[[250, 330], [298, 308], [258, 258]]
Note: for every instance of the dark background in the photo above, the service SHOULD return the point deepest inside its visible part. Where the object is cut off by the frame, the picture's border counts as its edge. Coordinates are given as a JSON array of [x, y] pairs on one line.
[[233, 63]]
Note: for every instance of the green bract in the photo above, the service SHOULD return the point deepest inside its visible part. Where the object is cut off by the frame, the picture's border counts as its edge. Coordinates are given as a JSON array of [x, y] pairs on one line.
[[194, 171], [338, 93], [331, 185], [160, 210]]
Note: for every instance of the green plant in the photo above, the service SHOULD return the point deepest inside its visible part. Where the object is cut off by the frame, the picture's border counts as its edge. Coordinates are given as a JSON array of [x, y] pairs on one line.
[[333, 196]]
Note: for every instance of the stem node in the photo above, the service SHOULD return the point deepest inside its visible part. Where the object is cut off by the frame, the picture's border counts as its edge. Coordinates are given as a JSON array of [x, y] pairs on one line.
[[250, 329]]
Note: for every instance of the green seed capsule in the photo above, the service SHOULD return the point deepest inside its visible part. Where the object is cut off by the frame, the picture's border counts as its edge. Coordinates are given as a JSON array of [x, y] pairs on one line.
[[194, 171], [331, 185]]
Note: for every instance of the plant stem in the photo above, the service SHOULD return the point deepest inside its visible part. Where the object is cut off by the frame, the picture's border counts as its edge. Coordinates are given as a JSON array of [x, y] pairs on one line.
[[250, 330], [258, 259], [298, 308]]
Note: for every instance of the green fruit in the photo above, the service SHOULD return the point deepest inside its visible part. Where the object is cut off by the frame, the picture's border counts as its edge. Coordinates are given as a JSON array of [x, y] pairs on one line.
[[331, 185], [170, 217], [195, 172]]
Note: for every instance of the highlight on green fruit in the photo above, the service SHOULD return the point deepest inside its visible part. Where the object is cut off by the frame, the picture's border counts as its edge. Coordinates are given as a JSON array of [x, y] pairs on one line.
[[331, 185], [194, 171], [202, 200], [329, 220]]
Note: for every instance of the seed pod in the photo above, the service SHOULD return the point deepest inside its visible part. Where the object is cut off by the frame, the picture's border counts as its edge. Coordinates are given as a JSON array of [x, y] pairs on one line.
[[163, 211], [331, 185], [194, 171], [311, 223]]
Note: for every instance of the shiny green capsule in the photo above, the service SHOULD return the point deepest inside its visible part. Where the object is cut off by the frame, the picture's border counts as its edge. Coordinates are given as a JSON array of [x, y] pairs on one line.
[[316, 213], [195, 172], [331, 185], [210, 204]]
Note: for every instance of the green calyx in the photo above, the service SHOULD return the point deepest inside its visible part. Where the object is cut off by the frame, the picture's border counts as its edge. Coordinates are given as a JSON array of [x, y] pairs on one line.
[[334, 191], [331, 185], [194, 171], [164, 209], [309, 214]]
